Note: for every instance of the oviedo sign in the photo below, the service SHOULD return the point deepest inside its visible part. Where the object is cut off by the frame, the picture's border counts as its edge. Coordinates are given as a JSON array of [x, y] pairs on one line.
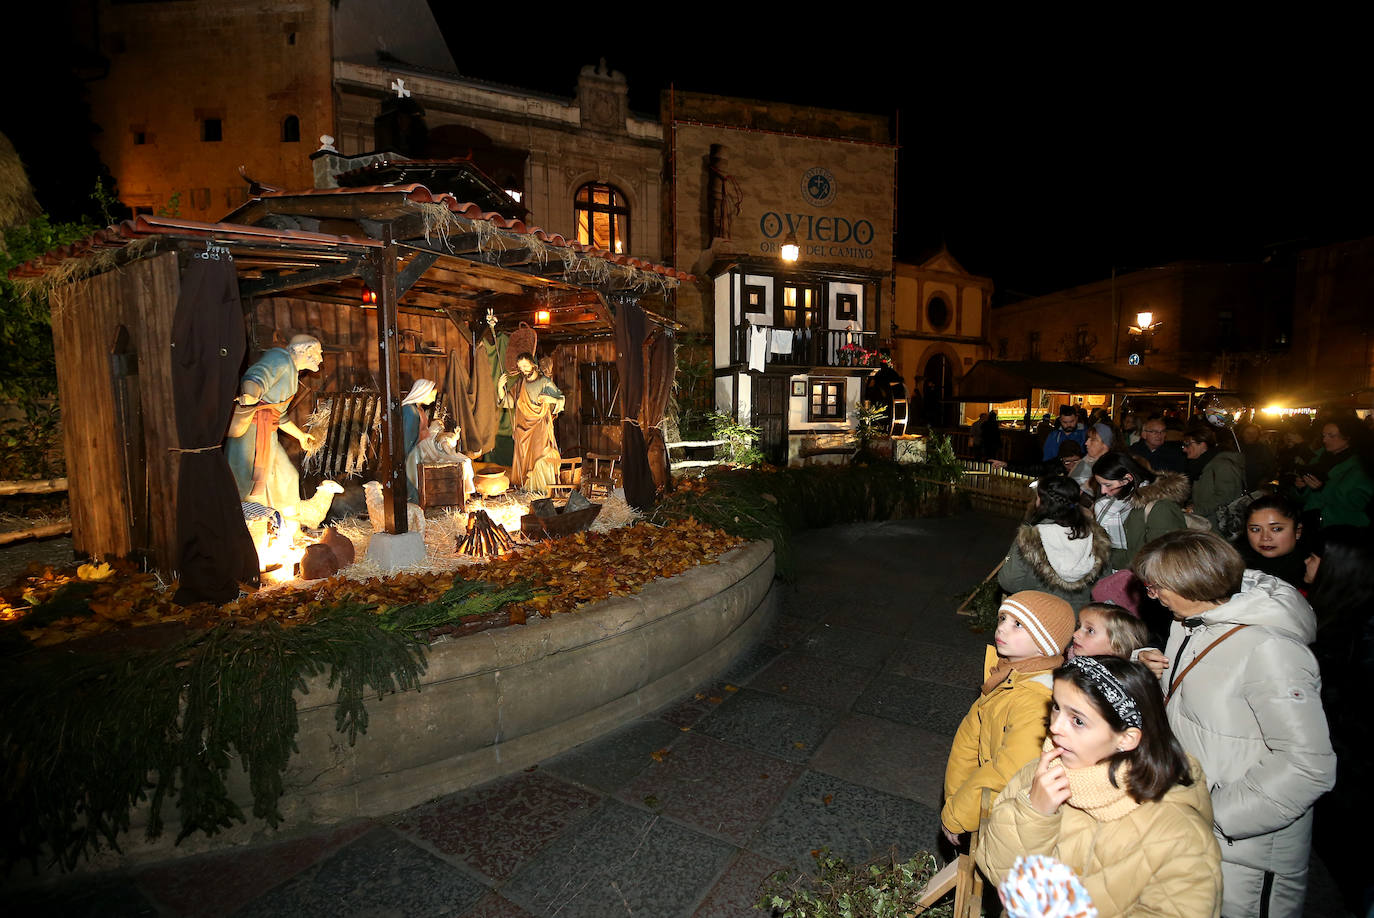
[[826, 236], [837, 237]]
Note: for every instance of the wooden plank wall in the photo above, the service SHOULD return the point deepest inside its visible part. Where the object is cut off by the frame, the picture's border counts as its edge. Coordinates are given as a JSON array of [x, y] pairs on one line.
[[349, 336], [575, 438], [86, 318]]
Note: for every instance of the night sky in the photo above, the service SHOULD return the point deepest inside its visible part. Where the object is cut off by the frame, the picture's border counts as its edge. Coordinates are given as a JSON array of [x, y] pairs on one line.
[[1040, 166], [1041, 162]]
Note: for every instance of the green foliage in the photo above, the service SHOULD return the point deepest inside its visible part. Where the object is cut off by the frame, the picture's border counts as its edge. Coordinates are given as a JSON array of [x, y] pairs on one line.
[[774, 503], [886, 888], [940, 462], [692, 395], [28, 371], [741, 441], [983, 602], [90, 735], [31, 446], [873, 423], [173, 206]]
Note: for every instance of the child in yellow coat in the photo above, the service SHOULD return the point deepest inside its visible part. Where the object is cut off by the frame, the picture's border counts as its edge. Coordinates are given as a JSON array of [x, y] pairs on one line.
[[1006, 726]]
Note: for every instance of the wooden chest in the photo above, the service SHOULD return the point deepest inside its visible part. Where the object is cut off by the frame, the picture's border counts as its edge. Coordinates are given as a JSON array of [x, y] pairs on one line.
[[441, 486]]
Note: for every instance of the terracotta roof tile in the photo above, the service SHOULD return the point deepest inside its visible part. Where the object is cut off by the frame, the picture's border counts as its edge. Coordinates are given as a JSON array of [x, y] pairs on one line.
[[144, 225]]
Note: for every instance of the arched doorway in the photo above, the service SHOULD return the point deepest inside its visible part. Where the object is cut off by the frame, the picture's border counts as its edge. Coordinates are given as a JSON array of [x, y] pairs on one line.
[[938, 392]]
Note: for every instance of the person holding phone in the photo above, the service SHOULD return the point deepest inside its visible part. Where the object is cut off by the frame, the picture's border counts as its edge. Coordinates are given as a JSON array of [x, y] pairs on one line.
[[1336, 488]]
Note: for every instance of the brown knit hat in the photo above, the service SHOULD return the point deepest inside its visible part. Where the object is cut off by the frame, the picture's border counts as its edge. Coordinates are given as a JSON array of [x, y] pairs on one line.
[[1048, 618]]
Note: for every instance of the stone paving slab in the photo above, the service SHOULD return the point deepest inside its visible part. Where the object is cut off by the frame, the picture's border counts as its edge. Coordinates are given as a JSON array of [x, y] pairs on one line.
[[494, 906], [929, 662], [609, 763], [928, 705], [854, 821], [734, 896], [379, 874], [787, 631], [769, 724], [621, 860], [101, 897], [896, 758], [500, 825], [847, 646], [214, 885], [720, 789], [811, 681]]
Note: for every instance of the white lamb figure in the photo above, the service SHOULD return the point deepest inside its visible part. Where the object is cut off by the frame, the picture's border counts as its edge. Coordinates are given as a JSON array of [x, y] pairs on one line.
[[312, 512], [372, 492]]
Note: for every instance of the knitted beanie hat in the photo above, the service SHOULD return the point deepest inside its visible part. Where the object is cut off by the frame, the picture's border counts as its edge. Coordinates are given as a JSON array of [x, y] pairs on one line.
[[1048, 619], [1104, 433], [1122, 589]]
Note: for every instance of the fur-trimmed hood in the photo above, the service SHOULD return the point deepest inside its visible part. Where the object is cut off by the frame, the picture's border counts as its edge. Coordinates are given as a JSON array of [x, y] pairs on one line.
[[1052, 565], [1173, 486]]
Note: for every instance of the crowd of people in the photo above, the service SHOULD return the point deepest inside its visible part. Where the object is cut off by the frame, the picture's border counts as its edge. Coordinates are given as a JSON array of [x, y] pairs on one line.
[[1169, 708]]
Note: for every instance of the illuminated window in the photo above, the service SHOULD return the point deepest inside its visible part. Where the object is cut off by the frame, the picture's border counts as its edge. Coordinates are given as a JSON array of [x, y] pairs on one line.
[[798, 306], [825, 399], [603, 217]]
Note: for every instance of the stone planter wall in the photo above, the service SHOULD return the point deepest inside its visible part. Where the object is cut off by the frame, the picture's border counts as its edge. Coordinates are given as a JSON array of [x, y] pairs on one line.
[[499, 701]]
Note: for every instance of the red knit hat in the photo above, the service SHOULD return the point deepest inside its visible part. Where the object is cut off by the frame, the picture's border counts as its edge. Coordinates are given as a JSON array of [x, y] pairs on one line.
[[1048, 619]]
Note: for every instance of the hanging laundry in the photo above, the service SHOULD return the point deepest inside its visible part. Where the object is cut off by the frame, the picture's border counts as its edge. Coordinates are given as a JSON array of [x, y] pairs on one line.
[[780, 341], [758, 348]]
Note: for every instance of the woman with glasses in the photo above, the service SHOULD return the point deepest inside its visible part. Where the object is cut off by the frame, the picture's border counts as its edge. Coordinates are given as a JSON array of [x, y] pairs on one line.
[[1335, 487], [1243, 696]]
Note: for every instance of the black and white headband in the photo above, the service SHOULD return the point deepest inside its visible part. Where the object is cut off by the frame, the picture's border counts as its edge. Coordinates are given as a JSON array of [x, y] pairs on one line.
[[1111, 688]]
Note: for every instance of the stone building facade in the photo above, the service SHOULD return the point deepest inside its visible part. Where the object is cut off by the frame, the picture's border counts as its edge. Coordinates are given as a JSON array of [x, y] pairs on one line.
[[940, 329], [787, 340], [1221, 324], [195, 90], [546, 149]]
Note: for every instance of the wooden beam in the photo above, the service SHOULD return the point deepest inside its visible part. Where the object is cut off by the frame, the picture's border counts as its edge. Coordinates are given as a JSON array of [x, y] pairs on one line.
[[391, 465], [418, 265], [279, 282]]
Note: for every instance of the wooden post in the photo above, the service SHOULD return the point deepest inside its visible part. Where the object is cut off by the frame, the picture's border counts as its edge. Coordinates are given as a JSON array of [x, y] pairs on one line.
[[392, 462]]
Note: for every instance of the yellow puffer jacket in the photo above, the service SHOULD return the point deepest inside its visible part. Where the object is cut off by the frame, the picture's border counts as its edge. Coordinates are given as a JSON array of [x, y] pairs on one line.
[[1001, 732], [1159, 859]]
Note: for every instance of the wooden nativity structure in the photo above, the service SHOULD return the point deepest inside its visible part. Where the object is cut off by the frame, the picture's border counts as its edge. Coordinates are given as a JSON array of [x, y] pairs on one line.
[[395, 282]]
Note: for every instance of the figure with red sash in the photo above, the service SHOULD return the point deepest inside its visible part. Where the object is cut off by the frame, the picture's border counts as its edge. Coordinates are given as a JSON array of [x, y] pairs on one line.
[[263, 471]]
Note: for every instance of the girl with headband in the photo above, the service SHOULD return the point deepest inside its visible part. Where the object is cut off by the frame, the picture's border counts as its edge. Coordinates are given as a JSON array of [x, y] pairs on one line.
[[1114, 797]]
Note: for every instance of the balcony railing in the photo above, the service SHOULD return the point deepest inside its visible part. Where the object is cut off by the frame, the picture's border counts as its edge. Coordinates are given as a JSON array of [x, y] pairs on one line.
[[809, 347]]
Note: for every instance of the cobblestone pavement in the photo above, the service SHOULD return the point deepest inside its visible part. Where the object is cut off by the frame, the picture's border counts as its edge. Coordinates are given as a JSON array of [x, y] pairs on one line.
[[832, 731]]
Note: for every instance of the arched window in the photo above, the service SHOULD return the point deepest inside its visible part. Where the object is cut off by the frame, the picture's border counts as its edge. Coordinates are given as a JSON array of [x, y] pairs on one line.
[[603, 217], [291, 129]]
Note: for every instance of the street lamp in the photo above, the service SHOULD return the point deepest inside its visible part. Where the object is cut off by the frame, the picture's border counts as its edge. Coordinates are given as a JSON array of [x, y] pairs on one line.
[[791, 249], [1141, 334]]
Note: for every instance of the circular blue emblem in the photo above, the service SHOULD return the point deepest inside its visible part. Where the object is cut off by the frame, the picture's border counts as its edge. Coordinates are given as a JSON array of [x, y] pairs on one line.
[[818, 187], [1133, 360]]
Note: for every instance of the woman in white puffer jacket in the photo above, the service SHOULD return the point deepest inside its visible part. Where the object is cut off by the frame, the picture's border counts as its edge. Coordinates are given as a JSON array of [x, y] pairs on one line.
[[1244, 697]]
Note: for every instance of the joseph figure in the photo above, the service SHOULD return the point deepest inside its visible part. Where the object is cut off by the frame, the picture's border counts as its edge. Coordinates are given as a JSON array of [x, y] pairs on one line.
[[535, 401], [261, 468]]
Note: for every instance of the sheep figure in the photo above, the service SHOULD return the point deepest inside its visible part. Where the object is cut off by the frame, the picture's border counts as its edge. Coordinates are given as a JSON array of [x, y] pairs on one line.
[[415, 515], [311, 513]]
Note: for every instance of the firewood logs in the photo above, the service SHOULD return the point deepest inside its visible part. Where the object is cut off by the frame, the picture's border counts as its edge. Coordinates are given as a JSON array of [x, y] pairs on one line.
[[485, 537]]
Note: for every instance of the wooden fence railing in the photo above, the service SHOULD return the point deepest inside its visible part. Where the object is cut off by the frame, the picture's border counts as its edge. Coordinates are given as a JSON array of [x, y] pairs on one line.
[[45, 531]]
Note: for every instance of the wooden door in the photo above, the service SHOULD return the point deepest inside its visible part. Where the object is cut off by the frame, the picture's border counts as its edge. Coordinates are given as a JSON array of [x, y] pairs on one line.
[[770, 416]]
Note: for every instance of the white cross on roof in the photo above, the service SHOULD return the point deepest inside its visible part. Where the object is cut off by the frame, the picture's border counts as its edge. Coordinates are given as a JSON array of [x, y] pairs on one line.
[[399, 86]]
